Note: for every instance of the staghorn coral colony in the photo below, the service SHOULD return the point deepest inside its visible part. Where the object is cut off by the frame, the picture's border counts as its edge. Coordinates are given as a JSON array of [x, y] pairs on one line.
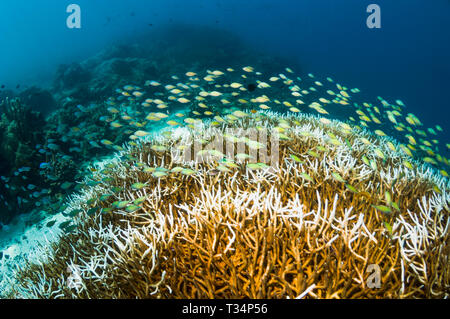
[[187, 180], [271, 206]]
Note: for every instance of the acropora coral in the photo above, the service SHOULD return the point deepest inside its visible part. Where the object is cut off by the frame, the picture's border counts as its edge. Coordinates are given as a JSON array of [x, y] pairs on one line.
[[297, 213]]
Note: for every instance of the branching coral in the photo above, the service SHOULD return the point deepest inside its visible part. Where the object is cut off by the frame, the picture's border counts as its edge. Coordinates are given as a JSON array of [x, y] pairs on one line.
[[21, 117], [20, 131], [312, 224]]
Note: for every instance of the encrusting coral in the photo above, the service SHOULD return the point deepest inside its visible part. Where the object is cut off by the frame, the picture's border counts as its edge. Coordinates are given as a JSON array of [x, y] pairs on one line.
[[304, 210]]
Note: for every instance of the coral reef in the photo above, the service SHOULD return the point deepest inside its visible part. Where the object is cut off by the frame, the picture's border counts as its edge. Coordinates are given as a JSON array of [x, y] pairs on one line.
[[301, 215], [38, 100], [154, 55], [70, 111], [20, 130], [18, 119], [236, 206]]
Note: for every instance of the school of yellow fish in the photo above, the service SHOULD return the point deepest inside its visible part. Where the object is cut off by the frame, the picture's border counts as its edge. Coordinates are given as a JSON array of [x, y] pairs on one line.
[[225, 96]]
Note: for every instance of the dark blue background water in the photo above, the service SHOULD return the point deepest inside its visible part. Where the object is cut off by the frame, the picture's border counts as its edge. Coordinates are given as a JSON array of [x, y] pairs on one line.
[[408, 58]]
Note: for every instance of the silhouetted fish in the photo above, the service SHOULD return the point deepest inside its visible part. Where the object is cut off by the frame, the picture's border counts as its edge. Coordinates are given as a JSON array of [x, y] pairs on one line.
[[251, 87]]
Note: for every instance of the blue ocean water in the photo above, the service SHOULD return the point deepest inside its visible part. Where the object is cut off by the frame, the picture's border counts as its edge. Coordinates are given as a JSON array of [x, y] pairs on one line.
[[407, 58]]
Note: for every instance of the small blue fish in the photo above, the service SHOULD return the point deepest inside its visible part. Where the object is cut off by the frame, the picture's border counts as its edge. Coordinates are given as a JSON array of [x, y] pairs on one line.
[[53, 147], [94, 144], [75, 149], [44, 165]]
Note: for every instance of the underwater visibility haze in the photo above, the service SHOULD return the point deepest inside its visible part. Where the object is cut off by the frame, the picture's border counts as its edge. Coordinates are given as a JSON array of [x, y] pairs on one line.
[[224, 149]]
